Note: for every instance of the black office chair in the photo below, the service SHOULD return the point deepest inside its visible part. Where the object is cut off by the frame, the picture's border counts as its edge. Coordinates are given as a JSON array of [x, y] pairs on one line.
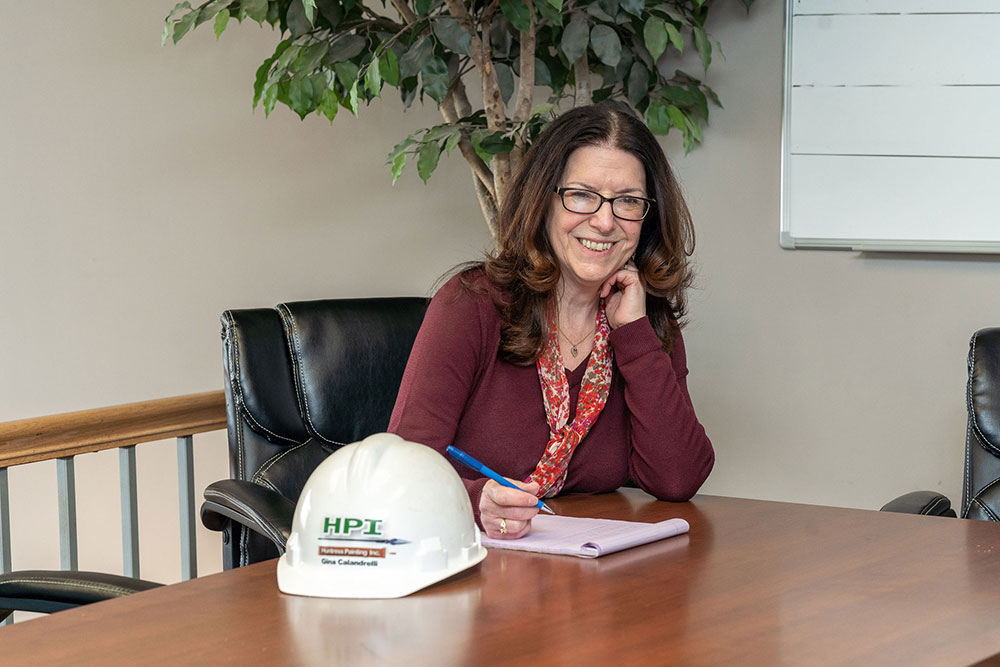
[[981, 492], [302, 380]]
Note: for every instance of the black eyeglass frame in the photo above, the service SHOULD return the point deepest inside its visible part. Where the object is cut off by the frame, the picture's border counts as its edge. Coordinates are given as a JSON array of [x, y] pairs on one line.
[[611, 200]]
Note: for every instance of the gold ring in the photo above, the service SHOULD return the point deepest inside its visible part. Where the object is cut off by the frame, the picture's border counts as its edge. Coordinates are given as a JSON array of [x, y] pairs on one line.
[[503, 526]]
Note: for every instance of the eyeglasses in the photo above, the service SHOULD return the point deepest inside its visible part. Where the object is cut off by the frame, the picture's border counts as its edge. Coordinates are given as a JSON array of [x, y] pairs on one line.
[[626, 207]]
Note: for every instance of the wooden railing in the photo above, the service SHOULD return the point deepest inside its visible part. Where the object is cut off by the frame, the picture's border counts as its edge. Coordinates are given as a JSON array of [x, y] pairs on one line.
[[63, 436]]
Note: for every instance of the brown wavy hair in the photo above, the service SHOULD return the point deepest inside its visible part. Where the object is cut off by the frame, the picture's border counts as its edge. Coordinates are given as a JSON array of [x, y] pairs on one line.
[[523, 272]]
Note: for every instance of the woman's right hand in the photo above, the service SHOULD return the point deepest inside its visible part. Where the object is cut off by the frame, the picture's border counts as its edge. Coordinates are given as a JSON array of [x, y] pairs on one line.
[[512, 509]]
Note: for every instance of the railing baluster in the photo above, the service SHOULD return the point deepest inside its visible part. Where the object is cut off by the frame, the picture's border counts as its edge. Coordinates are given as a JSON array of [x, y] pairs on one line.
[[67, 514], [130, 511], [5, 564], [185, 491]]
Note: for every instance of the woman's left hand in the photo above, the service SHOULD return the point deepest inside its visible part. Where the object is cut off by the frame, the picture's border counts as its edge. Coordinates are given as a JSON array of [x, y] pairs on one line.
[[624, 296]]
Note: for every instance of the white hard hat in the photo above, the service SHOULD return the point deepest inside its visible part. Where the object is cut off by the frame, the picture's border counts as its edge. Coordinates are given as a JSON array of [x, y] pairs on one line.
[[380, 518]]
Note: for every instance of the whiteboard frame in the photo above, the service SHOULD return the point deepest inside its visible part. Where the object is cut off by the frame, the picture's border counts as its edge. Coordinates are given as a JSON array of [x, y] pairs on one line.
[[790, 242]]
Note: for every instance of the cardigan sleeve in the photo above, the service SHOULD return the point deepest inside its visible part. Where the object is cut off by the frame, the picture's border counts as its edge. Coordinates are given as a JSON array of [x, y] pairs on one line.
[[670, 455], [441, 373]]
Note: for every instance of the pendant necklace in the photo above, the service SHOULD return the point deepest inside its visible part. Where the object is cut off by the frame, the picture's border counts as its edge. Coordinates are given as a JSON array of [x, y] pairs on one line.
[[573, 346]]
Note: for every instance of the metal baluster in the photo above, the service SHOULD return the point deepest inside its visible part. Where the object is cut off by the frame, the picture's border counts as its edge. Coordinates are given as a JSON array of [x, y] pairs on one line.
[[67, 514], [185, 492], [130, 511], [5, 564]]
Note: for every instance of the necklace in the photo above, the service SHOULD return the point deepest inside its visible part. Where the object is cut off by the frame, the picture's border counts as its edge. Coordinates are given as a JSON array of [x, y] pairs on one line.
[[573, 346]]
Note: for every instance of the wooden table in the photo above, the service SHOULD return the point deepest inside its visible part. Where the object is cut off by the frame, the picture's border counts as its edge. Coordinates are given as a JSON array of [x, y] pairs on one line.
[[754, 582]]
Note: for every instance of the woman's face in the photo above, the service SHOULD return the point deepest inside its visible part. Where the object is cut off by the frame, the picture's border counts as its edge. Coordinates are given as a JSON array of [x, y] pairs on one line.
[[590, 248]]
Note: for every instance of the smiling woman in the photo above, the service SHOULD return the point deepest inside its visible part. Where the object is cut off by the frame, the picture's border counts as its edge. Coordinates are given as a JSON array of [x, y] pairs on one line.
[[559, 361]]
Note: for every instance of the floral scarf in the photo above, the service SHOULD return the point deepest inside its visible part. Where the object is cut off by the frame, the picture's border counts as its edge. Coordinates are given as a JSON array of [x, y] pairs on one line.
[[550, 473]]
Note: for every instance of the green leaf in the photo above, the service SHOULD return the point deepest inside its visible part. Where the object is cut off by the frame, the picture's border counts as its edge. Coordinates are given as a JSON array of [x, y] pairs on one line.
[[255, 9], [543, 77], [655, 37], [422, 6], [345, 48], [496, 143], [558, 4], [329, 104], [633, 7], [373, 77], [311, 56], [331, 11], [435, 78], [595, 10], [427, 160], [575, 38], [300, 96], [310, 10], [678, 95], [415, 57], [269, 98], [548, 14], [258, 85], [505, 77], [347, 74], [542, 109], [352, 98], [518, 12], [397, 167], [452, 142], [389, 67], [657, 118], [607, 46], [712, 96], [221, 21], [452, 35], [296, 20], [181, 27], [609, 6], [676, 117], [400, 148], [694, 127], [180, 6], [676, 38], [637, 85], [704, 47]]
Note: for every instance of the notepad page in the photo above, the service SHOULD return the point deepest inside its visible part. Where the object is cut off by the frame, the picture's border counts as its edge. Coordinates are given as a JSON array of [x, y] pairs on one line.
[[588, 538]]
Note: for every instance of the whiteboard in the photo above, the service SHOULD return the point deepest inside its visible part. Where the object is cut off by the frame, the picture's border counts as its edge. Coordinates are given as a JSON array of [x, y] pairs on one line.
[[891, 127]]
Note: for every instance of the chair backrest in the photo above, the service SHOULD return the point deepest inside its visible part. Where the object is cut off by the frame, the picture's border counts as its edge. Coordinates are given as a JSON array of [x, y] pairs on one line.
[[303, 379], [981, 493]]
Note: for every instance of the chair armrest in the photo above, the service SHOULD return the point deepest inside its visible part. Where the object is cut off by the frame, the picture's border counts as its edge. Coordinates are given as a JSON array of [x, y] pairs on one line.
[[257, 507], [921, 502], [46, 591]]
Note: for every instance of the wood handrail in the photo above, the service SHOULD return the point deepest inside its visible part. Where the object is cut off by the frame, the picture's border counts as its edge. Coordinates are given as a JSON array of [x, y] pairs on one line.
[[72, 433]]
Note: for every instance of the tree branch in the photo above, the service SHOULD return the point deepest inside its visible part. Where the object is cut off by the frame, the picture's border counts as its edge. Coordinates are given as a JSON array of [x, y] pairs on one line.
[[581, 74], [525, 93], [482, 178], [404, 10], [479, 168]]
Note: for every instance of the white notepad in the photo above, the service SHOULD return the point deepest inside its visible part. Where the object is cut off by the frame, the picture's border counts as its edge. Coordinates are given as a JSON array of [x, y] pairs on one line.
[[588, 538]]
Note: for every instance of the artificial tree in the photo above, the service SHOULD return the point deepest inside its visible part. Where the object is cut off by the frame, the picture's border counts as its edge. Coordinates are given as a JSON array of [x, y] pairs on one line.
[[338, 53]]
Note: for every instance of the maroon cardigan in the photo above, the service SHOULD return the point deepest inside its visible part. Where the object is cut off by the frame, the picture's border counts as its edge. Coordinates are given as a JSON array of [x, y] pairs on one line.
[[456, 391]]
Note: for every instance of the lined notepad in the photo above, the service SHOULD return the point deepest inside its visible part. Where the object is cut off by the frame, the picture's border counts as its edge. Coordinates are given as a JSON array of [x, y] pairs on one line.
[[588, 538]]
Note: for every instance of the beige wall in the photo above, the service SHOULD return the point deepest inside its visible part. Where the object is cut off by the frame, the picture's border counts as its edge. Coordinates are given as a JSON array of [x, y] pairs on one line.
[[140, 197]]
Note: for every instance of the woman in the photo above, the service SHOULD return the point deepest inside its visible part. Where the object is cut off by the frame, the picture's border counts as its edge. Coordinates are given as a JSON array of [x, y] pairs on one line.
[[559, 360]]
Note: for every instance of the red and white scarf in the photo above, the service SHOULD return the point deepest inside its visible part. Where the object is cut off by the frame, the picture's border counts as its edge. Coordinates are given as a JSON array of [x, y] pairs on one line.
[[550, 473]]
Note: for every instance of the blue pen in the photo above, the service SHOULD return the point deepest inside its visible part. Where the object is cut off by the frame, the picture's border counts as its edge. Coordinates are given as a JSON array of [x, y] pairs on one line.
[[466, 460]]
